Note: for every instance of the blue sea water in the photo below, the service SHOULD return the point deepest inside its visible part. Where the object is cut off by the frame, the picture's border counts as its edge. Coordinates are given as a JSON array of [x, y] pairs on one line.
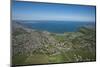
[[56, 26]]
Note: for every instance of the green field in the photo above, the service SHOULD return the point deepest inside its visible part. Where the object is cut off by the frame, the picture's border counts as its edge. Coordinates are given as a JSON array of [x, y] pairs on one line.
[[54, 48]]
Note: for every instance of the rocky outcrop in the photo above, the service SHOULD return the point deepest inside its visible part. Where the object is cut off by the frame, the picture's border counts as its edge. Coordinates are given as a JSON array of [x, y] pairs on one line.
[[27, 41]]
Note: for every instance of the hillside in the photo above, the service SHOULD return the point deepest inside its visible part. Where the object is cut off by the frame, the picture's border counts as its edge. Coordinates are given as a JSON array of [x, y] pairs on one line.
[[30, 46]]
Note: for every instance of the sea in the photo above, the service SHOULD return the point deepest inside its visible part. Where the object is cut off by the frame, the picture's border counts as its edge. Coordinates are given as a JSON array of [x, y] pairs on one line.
[[57, 26]]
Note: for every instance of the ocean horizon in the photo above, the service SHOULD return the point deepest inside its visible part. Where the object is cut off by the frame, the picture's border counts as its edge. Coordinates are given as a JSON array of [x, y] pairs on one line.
[[56, 26]]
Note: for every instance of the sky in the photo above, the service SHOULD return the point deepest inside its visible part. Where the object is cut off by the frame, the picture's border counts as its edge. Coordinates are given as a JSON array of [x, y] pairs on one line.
[[58, 12]]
